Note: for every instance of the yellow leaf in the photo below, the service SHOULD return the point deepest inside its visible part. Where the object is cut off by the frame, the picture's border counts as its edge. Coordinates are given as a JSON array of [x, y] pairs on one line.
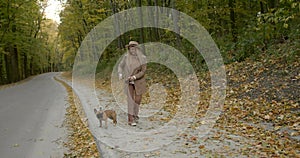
[[201, 147]]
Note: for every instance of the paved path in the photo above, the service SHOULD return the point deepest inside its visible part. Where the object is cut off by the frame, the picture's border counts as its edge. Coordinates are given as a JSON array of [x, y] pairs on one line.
[[31, 118], [150, 138]]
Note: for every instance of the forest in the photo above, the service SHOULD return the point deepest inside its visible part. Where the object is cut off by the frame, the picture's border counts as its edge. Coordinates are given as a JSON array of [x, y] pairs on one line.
[[30, 44], [259, 41]]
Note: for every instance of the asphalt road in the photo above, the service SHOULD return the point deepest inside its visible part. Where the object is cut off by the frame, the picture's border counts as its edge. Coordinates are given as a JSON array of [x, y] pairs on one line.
[[31, 118]]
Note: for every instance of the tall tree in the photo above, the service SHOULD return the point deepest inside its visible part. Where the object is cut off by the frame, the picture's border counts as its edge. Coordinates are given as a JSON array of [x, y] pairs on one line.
[[23, 44], [140, 13], [232, 20]]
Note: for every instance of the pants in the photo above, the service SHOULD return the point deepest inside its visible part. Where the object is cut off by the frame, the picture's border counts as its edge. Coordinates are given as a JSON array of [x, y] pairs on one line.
[[134, 102]]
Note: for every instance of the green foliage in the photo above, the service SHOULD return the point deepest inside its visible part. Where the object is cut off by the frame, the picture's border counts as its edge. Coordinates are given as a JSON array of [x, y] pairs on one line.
[[25, 42], [241, 29], [29, 44]]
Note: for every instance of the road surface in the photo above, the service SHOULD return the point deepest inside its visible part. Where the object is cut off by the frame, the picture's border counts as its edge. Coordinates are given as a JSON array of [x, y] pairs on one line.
[[31, 118]]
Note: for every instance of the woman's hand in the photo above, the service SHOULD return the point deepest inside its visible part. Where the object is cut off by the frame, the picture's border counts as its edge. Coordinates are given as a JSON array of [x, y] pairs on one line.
[[120, 76], [131, 78]]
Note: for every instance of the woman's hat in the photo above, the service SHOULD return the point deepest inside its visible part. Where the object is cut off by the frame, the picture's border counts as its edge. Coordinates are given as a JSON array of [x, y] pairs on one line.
[[132, 43]]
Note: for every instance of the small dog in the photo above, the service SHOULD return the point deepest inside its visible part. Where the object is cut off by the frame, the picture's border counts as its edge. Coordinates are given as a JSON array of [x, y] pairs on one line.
[[103, 115]]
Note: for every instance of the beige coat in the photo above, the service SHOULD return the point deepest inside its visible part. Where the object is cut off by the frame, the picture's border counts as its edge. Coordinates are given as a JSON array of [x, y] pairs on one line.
[[138, 71]]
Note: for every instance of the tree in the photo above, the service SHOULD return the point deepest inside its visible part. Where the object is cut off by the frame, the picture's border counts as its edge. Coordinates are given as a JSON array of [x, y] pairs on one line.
[[23, 42]]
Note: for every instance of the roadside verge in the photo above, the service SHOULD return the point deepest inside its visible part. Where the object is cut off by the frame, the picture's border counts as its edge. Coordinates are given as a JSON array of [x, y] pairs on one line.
[[81, 142]]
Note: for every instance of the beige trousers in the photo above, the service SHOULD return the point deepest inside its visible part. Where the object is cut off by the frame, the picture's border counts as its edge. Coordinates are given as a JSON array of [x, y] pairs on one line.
[[133, 101]]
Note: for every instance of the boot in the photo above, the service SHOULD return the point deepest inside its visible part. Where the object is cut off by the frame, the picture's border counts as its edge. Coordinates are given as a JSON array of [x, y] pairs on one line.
[[131, 120], [136, 119]]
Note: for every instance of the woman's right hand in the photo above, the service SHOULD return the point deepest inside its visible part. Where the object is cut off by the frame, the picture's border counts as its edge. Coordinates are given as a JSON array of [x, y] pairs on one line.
[[120, 76]]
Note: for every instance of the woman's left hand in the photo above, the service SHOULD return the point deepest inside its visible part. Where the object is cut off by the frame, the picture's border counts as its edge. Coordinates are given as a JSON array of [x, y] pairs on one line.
[[131, 78]]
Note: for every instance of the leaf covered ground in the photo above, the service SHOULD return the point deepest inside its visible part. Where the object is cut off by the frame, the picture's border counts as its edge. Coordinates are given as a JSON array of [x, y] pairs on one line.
[[262, 105], [80, 141], [260, 118]]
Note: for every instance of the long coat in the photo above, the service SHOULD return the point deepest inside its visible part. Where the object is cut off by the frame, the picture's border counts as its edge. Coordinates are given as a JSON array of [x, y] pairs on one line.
[[139, 72]]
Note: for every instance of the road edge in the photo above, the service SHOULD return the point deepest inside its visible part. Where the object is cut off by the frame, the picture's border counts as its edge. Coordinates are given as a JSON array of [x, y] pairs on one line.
[[79, 108]]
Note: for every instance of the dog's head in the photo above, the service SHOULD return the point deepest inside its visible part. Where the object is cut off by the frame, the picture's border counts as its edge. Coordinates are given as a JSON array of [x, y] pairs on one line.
[[95, 111], [99, 113]]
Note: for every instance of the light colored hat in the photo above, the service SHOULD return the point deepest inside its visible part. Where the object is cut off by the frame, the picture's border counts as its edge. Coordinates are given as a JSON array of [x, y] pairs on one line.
[[132, 43]]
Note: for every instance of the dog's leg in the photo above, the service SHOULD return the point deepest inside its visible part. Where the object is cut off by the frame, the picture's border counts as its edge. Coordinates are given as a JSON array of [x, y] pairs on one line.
[[106, 123], [114, 118], [100, 123]]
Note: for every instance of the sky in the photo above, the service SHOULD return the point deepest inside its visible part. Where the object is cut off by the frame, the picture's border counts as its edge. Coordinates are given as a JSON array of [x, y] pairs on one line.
[[53, 9]]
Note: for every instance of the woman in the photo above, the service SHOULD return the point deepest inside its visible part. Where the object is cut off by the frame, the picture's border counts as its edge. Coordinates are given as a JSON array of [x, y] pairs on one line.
[[132, 68]]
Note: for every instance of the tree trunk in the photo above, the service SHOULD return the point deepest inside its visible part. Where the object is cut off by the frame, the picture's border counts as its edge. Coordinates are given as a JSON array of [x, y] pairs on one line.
[[15, 58], [116, 23], [151, 18], [273, 3], [140, 13], [175, 16], [232, 20], [85, 25], [16, 63], [31, 67], [1, 69], [8, 68], [273, 7], [12, 65], [25, 66], [262, 10], [156, 20]]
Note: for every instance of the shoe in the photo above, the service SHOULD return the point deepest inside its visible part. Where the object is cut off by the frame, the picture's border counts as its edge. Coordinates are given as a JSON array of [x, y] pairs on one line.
[[132, 124], [136, 119], [130, 119]]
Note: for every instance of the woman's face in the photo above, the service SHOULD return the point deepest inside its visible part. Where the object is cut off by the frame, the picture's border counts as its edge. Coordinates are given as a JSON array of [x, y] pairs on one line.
[[132, 50]]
